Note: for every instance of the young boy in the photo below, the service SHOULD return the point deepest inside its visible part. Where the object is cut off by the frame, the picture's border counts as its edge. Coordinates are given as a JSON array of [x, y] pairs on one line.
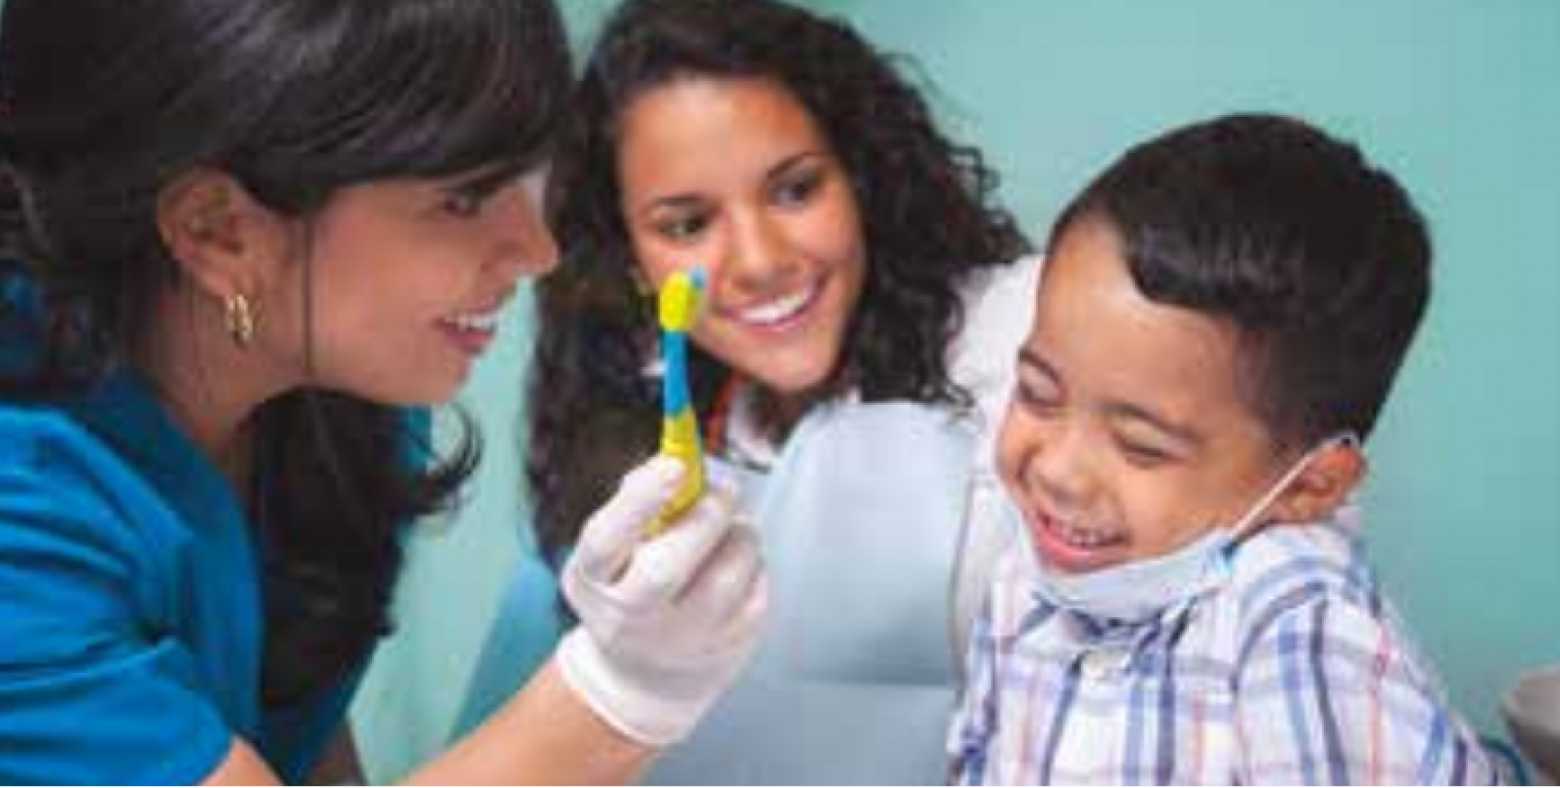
[[1219, 321]]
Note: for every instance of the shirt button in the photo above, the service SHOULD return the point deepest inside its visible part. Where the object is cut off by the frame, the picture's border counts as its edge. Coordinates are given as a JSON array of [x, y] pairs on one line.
[[1104, 664]]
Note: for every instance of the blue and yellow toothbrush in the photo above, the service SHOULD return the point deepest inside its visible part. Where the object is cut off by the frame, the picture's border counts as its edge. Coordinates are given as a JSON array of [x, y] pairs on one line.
[[680, 299]]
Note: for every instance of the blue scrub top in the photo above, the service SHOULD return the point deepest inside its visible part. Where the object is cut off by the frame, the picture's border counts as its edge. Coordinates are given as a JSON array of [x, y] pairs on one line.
[[131, 619]]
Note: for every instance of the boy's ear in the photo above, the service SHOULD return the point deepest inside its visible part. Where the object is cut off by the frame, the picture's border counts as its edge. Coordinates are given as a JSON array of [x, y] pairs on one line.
[[222, 238], [1323, 485]]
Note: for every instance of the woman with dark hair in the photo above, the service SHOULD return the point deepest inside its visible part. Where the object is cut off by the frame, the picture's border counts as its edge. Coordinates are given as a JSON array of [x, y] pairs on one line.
[[238, 241], [862, 297]]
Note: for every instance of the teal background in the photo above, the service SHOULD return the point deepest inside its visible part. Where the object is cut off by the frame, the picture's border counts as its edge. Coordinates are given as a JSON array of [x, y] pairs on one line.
[[1459, 99]]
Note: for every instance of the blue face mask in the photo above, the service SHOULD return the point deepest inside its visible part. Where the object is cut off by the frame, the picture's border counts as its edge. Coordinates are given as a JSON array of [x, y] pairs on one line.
[[1136, 591]]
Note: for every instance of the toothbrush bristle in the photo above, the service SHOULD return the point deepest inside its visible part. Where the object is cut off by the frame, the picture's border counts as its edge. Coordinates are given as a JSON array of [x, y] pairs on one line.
[[680, 298]]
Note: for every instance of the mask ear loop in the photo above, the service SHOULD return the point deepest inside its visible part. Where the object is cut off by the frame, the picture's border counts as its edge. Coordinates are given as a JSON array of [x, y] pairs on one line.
[[1242, 527]]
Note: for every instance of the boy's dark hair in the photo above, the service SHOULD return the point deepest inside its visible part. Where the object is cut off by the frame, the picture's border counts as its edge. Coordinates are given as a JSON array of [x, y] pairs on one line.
[[1318, 258], [104, 102], [928, 212]]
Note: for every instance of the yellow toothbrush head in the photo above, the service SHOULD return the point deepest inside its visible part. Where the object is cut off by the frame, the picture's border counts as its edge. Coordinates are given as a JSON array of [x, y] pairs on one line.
[[681, 296]]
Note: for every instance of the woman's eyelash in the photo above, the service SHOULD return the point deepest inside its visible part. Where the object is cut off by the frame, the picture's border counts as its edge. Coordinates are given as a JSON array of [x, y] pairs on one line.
[[467, 199], [799, 187], [463, 202], [681, 227]]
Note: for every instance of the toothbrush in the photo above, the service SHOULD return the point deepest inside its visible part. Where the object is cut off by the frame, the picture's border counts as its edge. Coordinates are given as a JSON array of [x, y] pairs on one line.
[[678, 304]]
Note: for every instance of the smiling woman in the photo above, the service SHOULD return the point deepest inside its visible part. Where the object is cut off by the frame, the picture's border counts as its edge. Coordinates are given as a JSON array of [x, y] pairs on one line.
[[286, 228], [237, 240], [774, 214], [397, 247], [863, 296], [843, 232], [407, 238]]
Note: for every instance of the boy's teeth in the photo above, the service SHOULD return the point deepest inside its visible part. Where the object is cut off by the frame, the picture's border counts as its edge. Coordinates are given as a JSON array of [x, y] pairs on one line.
[[1081, 537], [778, 309]]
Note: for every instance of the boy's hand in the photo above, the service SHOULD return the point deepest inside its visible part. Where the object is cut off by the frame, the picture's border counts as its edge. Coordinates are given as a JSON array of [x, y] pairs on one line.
[[665, 624]]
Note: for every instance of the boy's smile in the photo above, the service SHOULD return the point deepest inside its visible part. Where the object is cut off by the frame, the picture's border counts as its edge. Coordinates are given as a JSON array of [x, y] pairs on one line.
[[1127, 435]]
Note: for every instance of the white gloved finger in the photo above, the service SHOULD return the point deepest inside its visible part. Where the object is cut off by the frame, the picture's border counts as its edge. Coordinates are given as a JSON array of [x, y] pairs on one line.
[[724, 583], [740, 630], [738, 608], [611, 534], [662, 567], [649, 662]]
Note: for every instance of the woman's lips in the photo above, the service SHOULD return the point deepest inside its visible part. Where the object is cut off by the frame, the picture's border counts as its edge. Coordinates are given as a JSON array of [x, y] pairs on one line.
[[471, 332], [782, 313]]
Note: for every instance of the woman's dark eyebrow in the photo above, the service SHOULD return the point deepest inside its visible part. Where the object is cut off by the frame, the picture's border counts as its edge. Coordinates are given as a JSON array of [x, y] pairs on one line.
[[791, 161], [689, 200], [683, 201]]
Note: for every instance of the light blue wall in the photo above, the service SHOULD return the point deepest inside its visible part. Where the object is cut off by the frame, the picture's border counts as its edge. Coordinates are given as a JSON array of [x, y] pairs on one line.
[[1458, 98], [455, 571]]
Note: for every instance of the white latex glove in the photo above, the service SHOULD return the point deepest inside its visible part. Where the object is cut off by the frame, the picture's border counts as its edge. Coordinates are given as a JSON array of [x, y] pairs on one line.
[[665, 624]]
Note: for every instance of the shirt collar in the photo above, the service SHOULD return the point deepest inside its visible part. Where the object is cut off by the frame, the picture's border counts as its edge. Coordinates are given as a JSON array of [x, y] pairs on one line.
[[124, 412], [748, 444]]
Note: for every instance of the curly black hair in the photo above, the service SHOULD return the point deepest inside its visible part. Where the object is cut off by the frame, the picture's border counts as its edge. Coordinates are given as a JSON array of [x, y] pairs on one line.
[[928, 213]]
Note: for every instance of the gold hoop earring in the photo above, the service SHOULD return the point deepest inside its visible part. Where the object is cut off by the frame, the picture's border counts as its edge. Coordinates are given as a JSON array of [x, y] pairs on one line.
[[240, 316]]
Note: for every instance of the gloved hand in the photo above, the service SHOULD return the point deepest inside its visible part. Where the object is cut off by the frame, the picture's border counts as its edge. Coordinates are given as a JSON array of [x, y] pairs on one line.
[[665, 624]]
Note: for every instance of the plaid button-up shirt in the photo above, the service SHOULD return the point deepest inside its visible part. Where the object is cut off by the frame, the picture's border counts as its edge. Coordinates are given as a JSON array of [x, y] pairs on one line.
[[1290, 669]]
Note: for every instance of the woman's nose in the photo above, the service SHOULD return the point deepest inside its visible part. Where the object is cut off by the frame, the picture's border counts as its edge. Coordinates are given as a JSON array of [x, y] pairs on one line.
[[529, 245], [757, 255]]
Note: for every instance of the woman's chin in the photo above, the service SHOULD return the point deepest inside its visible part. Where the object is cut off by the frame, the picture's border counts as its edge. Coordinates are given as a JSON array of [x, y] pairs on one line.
[[797, 382]]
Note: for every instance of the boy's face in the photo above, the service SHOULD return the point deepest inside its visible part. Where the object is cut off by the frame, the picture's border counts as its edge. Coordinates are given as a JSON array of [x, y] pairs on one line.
[[1126, 437]]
